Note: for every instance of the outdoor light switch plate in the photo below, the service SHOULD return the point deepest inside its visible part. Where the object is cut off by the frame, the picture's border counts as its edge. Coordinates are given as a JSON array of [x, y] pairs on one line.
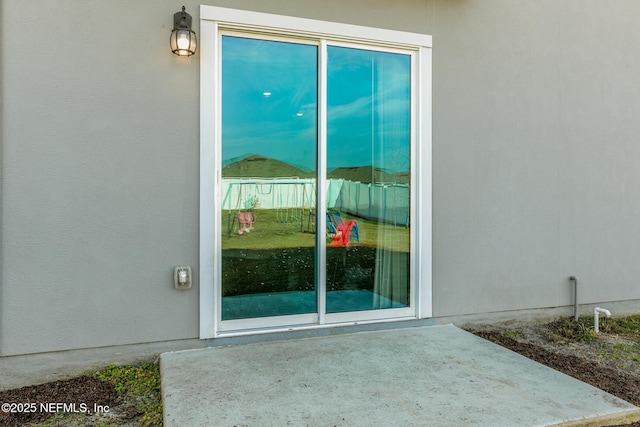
[[182, 277]]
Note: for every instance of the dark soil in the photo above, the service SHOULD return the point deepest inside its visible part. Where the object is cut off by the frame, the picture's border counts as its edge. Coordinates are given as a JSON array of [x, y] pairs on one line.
[[83, 391], [624, 386]]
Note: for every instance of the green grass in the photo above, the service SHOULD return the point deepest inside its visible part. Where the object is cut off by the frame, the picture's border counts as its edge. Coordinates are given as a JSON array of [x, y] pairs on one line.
[[629, 327], [291, 229], [510, 333], [142, 382], [624, 351], [572, 331], [133, 384], [582, 330]]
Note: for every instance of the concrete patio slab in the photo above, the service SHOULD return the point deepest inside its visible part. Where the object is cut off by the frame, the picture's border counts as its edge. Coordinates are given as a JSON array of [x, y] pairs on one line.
[[422, 376]]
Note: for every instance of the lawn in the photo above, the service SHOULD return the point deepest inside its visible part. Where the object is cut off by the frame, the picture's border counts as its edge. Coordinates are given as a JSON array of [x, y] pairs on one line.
[[291, 228]]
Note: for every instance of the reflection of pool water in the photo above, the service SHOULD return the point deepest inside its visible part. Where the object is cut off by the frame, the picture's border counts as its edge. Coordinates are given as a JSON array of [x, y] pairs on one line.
[[282, 281]]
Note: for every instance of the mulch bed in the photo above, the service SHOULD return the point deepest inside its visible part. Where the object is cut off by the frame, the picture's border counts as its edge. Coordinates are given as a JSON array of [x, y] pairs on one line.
[[79, 394]]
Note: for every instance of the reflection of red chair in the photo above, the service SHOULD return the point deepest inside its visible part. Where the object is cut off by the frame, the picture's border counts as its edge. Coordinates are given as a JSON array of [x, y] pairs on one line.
[[343, 232], [246, 220]]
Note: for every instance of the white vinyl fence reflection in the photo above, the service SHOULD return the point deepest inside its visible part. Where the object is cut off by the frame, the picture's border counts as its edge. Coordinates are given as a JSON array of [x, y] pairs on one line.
[[383, 202]]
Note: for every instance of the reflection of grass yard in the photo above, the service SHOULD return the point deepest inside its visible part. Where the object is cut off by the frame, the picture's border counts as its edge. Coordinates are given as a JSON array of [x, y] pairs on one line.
[[274, 230]]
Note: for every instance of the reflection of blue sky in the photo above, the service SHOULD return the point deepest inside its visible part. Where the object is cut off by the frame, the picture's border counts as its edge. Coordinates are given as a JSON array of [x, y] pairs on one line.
[[368, 99], [253, 123], [282, 125]]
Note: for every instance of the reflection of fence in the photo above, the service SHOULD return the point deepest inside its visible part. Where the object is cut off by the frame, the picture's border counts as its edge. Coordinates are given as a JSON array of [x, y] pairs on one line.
[[277, 193], [383, 202]]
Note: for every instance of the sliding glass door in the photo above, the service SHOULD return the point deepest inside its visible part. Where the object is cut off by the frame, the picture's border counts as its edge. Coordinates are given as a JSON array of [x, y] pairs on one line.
[[295, 113]]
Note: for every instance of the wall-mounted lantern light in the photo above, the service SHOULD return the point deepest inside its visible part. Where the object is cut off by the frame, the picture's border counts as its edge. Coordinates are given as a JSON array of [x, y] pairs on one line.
[[183, 38]]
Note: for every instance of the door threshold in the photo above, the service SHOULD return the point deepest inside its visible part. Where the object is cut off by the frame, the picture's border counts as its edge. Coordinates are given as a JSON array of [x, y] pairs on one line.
[[310, 331]]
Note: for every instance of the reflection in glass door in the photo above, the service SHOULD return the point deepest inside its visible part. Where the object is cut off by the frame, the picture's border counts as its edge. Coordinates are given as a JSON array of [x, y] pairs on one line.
[[368, 179], [269, 142], [281, 253]]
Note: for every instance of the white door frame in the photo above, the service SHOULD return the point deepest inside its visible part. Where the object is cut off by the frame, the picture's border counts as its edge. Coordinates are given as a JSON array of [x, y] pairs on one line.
[[212, 20]]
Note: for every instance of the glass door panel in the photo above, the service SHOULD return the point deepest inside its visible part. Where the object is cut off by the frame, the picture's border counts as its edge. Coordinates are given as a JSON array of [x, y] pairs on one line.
[[269, 144], [368, 180]]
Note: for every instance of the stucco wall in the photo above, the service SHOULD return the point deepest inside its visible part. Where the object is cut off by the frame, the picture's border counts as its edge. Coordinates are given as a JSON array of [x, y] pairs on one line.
[[100, 176], [100, 171], [535, 148], [536, 154]]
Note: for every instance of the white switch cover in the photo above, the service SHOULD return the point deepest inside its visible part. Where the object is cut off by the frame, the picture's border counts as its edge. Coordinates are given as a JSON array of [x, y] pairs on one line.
[[182, 278]]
